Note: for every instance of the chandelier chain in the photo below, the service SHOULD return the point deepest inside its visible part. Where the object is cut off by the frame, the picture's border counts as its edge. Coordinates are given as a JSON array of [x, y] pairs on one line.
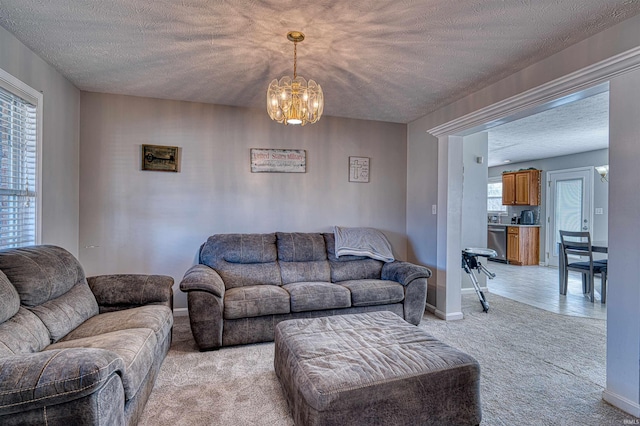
[[295, 58]]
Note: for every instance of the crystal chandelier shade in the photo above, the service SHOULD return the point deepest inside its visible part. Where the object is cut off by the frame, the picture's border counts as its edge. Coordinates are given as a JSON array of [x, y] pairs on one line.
[[294, 100]]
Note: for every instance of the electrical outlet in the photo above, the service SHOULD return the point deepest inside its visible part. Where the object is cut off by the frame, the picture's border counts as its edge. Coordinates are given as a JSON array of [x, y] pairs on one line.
[[434, 209], [599, 210]]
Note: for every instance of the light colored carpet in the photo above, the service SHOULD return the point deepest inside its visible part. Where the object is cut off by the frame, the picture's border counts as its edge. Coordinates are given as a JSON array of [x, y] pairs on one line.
[[538, 368]]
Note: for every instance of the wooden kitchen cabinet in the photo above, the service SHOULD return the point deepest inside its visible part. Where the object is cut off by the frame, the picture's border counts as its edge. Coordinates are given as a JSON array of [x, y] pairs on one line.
[[521, 188], [523, 245]]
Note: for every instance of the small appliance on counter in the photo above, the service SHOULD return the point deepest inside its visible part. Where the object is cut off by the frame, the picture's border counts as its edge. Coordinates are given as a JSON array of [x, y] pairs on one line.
[[527, 217]]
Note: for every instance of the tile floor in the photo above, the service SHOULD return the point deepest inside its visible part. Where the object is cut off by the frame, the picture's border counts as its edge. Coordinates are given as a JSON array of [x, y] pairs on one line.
[[538, 286]]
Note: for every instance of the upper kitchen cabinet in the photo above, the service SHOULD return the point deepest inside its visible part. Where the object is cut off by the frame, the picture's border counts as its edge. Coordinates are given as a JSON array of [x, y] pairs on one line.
[[521, 188]]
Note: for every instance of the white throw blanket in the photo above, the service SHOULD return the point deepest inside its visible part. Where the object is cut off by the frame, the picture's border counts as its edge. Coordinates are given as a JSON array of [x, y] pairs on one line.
[[362, 242]]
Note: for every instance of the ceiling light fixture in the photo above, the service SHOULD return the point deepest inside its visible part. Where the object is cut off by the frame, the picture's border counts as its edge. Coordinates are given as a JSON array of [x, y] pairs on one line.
[[294, 101], [603, 171]]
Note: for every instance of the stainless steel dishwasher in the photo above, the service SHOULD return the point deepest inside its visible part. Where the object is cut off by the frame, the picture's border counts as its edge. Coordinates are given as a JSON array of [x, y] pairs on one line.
[[497, 240]]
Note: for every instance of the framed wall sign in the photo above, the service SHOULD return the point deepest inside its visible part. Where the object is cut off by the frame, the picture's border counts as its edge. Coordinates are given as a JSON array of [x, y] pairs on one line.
[[358, 169], [278, 160], [160, 158]]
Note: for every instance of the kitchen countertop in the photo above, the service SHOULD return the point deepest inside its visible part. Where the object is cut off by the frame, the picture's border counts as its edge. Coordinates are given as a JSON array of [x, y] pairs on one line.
[[513, 224]]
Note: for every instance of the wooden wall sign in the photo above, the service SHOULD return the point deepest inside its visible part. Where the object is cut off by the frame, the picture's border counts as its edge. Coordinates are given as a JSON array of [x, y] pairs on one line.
[[160, 158], [278, 160]]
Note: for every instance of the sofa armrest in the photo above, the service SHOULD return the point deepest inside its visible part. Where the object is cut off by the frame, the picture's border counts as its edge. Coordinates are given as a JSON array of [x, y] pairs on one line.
[[30, 381], [202, 278], [124, 291], [404, 272]]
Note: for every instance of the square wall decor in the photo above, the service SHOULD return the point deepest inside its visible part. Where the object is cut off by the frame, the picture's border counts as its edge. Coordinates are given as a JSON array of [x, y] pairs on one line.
[[358, 169]]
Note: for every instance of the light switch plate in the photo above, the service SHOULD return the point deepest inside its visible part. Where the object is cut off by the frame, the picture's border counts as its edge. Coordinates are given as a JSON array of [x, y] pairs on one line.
[[599, 210], [434, 209]]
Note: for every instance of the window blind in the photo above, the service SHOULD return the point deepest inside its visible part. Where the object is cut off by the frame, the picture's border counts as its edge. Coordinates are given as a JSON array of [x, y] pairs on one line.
[[18, 202]]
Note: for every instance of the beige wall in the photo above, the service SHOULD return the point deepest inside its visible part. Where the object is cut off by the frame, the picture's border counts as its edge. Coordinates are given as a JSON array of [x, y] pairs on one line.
[[422, 190], [154, 222], [60, 144]]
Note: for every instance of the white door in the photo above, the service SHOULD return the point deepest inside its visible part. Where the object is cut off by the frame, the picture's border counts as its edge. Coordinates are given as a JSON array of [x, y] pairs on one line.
[[569, 194]]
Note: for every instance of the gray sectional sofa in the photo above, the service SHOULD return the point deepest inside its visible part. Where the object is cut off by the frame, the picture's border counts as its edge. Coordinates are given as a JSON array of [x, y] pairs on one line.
[[245, 284], [76, 350]]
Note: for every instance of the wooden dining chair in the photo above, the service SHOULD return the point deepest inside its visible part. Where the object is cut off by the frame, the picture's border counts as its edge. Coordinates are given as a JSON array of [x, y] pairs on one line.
[[579, 244]]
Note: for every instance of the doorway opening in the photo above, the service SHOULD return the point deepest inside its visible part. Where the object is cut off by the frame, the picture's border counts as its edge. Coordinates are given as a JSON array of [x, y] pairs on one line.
[[565, 139]]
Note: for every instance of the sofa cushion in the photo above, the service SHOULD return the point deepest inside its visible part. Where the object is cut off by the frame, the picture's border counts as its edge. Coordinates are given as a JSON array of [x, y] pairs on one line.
[[300, 247], [302, 257], [315, 296], [158, 318], [63, 314], [9, 299], [374, 292], [23, 333], [51, 283], [255, 301], [242, 259], [40, 273], [136, 347], [239, 248], [293, 272], [349, 267]]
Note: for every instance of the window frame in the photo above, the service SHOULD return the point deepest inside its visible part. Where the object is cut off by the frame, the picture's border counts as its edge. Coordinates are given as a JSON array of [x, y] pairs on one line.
[[495, 179], [20, 89]]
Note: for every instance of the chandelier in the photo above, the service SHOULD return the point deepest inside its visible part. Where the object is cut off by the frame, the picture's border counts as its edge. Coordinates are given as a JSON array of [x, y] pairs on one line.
[[294, 101]]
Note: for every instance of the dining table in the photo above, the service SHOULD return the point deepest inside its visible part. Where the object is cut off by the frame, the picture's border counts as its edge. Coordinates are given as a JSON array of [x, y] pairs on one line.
[[597, 246]]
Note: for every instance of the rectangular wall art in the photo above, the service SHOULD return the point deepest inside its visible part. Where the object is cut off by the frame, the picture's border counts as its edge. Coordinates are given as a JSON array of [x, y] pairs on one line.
[[358, 169], [160, 158], [278, 160]]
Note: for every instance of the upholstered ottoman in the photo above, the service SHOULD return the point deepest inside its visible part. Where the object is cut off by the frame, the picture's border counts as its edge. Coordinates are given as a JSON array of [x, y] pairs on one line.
[[373, 368]]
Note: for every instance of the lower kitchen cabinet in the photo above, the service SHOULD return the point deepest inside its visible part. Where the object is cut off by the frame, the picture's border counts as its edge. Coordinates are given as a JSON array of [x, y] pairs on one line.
[[523, 245]]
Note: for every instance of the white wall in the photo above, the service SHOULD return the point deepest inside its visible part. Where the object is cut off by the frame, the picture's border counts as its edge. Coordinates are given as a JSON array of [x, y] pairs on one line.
[[474, 198], [60, 144], [600, 189], [154, 222], [623, 345], [623, 312]]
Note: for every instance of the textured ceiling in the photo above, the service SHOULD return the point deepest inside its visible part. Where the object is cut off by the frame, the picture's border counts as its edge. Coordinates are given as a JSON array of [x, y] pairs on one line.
[[575, 127], [379, 60]]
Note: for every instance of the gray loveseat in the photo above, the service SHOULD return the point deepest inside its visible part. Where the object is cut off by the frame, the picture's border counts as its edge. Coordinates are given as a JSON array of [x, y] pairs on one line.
[[245, 284], [76, 350]]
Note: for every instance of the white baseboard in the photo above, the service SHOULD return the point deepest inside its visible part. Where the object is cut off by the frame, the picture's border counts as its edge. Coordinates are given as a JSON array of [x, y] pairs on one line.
[[430, 308], [449, 317], [180, 312], [622, 403], [473, 290]]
